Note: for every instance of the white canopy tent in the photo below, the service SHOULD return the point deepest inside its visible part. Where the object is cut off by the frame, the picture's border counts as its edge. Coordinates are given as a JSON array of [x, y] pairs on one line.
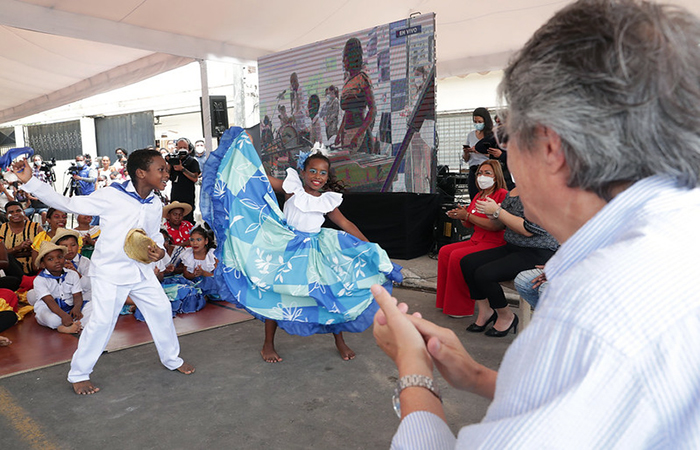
[[55, 52]]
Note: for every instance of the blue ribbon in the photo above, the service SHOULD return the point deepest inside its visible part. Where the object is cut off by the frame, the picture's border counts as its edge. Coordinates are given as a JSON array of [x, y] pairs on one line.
[[45, 274], [122, 187]]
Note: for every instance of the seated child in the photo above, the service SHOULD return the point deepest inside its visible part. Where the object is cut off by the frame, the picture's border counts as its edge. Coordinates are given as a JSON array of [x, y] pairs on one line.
[[89, 234], [74, 260], [59, 302], [178, 228], [56, 219], [185, 297], [200, 262]]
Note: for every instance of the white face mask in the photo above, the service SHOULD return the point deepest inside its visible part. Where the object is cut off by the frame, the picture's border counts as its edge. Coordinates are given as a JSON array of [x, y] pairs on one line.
[[484, 182]]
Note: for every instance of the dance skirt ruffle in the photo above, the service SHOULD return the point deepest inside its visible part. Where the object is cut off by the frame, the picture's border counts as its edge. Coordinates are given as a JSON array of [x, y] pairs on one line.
[[308, 282]]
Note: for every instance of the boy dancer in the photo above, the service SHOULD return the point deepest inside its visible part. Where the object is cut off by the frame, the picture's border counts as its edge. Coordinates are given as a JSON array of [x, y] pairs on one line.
[[121, 207]]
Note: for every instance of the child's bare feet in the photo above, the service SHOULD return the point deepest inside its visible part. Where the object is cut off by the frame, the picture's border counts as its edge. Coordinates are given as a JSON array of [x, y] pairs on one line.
[[85, 388], [187, 369], [72, 329], [4, 342], [269, 354], [345, 352]]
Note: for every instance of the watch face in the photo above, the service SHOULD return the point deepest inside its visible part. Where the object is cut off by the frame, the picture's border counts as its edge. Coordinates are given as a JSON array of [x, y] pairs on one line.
[[396, 403]]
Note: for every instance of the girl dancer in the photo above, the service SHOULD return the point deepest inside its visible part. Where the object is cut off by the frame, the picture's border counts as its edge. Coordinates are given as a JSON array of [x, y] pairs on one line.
[[284, 268]]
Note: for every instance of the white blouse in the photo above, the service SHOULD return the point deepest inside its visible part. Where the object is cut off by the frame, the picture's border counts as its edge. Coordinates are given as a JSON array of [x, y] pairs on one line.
[[208, 264], [304, 211]]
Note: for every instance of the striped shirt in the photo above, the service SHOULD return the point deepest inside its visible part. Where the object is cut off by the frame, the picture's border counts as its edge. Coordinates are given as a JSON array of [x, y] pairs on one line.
[[610, 359], [29, 232]]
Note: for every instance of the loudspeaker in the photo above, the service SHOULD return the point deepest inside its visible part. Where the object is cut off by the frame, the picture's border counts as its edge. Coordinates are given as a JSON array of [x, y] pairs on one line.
[[219, 115]]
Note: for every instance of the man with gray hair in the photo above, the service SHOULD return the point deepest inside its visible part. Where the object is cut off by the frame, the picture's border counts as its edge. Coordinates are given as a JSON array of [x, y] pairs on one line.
[[604, 126]]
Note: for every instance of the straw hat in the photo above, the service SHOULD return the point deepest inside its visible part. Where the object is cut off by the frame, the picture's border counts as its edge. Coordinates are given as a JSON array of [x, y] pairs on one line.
[[174, 205], [136, 245], [46, 248], [64, 232]]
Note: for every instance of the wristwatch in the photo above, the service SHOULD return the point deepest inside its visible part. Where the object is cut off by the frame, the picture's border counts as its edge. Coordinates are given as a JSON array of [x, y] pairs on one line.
[[497, 213], [411, 381]]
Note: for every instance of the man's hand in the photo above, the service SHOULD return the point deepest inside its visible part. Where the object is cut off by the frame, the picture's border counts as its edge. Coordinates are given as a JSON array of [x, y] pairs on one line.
[[178, 167], [398, 337]]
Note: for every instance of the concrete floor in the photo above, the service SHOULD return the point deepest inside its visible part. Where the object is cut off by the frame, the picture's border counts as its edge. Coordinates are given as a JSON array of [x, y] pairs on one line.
[[312, 400]]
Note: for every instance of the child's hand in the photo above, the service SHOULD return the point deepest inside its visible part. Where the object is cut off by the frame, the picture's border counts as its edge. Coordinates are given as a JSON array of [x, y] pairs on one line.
[[170, 268], [23, 170], [76, 314], [197, 271], [66, 320], [155, 253], [69, 265]]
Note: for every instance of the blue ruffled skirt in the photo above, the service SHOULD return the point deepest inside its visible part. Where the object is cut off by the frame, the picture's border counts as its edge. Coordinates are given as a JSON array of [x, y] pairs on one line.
[[308, 283], [185, 296]]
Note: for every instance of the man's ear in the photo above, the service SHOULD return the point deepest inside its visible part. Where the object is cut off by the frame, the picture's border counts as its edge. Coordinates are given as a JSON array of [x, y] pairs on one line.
[[554, 156]]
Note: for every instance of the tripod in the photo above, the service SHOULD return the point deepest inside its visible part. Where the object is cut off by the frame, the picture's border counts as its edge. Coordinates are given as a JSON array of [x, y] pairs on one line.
[[73, 188]]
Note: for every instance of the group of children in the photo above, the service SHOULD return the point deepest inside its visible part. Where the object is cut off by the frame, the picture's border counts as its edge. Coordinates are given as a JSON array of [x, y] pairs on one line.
[[283, 268], [61, 292]]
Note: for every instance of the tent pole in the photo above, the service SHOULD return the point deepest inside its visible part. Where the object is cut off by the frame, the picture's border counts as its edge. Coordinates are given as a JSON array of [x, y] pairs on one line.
[[206, 111]]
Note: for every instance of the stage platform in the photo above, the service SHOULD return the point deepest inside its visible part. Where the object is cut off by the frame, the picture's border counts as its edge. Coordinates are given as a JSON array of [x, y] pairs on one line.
[[34, 347]]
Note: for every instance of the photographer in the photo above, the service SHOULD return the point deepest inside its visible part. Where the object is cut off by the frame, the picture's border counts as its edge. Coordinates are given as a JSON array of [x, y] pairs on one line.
[[84, 175], [184, 172]]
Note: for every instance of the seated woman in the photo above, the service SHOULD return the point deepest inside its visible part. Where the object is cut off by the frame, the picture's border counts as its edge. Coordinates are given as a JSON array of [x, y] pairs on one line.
[[452, 292], [527, 245]]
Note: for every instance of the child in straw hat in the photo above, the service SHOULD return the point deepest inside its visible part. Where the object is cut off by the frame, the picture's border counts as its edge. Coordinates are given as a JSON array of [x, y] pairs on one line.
[[59, 295]]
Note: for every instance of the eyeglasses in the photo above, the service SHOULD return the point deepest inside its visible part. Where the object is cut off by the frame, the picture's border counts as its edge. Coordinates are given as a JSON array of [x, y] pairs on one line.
[[501, 137]]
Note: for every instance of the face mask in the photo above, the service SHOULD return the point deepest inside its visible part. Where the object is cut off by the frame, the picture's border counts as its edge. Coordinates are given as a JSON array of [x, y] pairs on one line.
[[37, 162], [479, 126], [485, 182], [199, 149], [80, 164]]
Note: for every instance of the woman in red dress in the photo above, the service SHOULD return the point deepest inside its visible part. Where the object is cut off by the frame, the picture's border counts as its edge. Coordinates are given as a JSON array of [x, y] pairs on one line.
[[452, 291]]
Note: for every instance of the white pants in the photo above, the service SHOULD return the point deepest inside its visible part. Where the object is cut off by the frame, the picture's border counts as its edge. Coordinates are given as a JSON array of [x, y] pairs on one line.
[[108, 299], [47, 318]]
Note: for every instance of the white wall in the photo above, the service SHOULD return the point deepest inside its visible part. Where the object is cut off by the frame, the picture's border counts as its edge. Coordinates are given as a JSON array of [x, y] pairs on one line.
[[469, 92]]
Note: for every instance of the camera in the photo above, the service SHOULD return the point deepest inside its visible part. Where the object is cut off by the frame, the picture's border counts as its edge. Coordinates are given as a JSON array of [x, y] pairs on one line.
[[73, 169], [176, 158]]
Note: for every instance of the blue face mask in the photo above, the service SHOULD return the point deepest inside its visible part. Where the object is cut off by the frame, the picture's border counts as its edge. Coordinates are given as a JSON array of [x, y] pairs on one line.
[[80, 164], [479, 126]]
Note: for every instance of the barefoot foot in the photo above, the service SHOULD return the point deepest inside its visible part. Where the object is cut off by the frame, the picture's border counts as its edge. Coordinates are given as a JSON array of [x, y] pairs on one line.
[[72, 329], [345, 352], [85, 387], [269, 354], [187, 369], [4, 342]]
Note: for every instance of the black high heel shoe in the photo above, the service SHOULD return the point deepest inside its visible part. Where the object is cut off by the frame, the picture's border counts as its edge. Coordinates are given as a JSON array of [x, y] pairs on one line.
[[474, 328], [495, 333]]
